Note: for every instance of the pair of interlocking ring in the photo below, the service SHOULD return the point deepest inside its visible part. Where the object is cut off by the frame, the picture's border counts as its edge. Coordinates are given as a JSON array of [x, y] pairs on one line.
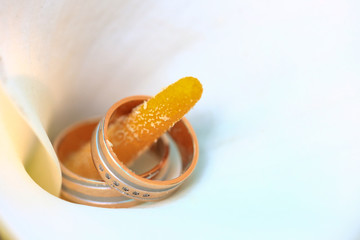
[[120, 186]]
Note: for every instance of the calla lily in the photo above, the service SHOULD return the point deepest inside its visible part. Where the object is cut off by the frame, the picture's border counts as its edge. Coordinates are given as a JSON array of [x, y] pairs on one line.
[[278, 124]]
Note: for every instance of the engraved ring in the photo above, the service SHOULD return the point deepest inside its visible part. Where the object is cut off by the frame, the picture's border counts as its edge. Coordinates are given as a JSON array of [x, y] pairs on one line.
[[120, 177]]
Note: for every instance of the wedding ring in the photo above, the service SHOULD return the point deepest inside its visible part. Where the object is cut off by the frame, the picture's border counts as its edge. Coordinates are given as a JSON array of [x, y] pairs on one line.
[[120, 177], [96, 192]]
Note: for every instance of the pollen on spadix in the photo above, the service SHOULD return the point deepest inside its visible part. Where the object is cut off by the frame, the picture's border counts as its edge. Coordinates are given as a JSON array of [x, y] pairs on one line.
[[132, 135]]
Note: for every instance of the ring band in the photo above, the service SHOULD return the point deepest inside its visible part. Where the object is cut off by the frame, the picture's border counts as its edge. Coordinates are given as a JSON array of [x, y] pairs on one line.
[[120, 177], [79, 189]]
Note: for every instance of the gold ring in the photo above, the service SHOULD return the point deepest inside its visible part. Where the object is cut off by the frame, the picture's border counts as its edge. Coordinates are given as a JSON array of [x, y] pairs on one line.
[[123, 179], [94, 191]]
